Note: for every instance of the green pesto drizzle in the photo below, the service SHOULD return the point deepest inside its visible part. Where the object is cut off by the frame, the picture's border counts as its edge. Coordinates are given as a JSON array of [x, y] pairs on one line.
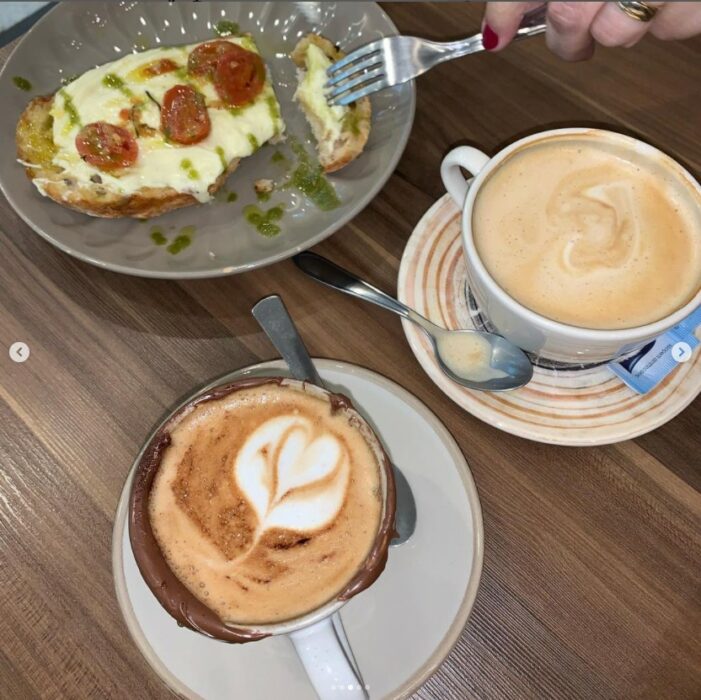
[[157, 236], [112, 80], [183, 75], [298, 149], [226, 28], [254, 142], [189, 168], [182, 240], [308, 177], [274, 110], [235, 111], [264, 221], [178, 245], [220, 152], [273, 107], [278, 157], [263, 196], [22, 83], [69, 106], [310, 180], [223, 195]]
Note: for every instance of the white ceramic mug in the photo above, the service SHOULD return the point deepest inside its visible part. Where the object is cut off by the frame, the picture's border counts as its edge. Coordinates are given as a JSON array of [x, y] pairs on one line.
[[320, 642], [526, 328]]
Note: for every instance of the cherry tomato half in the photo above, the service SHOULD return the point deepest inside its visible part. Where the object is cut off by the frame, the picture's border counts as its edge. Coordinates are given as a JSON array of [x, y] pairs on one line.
[[184, 117], [106, 146], [239, 76], [203, 59]]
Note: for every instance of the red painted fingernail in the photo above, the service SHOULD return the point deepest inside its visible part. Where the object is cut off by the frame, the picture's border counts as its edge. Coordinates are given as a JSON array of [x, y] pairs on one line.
[[490, 39]]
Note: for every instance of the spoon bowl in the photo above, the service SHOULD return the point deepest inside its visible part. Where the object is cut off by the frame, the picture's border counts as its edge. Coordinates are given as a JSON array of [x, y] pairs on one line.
[[480, 360], [475, 359]]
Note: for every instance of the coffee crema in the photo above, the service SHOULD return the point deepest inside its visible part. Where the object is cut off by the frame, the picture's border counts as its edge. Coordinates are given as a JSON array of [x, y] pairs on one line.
[[589, 232], [266, 503]]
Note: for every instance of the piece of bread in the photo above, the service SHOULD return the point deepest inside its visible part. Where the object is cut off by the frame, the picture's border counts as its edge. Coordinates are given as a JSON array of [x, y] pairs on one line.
[[340, 139], [35, 149]]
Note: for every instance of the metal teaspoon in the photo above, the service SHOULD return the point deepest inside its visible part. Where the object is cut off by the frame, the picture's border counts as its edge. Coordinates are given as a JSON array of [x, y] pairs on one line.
[[475, 359]]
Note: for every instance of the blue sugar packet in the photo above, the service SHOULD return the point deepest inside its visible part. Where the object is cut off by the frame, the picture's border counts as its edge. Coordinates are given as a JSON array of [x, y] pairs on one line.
[[653, 362]]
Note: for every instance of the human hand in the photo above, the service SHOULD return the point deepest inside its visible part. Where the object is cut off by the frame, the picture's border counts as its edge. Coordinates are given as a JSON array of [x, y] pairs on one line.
[[574, 28]]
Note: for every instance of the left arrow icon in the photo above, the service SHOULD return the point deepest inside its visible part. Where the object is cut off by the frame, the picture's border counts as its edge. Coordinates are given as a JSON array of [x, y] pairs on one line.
[[19, 352]]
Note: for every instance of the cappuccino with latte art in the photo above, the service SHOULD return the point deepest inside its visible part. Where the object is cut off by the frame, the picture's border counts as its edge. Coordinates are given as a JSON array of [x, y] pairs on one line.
[[588, 231], [270, 499]]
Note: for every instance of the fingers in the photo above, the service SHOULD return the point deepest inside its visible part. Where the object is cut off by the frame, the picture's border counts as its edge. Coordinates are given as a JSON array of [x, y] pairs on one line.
[[677, 20], [574, 28], [501, 20], [568, 32], [613, 27]]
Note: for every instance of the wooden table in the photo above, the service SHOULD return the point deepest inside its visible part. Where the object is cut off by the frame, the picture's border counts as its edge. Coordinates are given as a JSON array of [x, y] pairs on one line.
[[592, 556]]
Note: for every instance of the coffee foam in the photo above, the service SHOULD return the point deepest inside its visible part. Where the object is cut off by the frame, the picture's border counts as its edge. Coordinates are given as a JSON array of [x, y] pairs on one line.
[[588, 232], [267, 502], [294, 476]]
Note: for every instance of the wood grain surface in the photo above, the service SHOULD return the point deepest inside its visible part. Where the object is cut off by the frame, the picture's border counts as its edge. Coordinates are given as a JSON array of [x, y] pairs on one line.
[[591, 582]]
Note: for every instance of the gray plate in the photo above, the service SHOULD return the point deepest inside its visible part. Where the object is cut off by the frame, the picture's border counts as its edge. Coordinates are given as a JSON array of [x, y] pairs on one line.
[[74, 37]]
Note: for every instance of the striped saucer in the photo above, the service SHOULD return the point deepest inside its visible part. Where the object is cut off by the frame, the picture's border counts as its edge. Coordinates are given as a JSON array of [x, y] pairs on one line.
[[562, 405]]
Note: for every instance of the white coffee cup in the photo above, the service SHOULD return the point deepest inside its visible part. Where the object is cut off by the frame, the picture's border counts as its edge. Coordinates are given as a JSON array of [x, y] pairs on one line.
[[526, 328], [322, 647]]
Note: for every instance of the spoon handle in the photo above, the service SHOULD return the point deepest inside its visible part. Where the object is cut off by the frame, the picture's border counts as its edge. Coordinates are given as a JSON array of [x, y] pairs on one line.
[[330, 274], [273, 317]]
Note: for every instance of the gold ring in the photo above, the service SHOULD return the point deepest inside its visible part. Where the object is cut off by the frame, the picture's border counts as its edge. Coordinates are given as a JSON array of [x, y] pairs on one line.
[[638, 10]]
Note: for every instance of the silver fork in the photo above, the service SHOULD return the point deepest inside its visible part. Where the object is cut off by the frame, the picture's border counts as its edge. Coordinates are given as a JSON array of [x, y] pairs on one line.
[[397, 59]]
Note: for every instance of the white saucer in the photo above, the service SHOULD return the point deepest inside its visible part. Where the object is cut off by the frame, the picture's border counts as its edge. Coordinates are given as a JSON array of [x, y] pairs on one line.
[[560, 405], [400, 629]]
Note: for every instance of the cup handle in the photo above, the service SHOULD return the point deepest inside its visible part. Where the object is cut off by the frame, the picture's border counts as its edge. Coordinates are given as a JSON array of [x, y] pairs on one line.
[[326, 662], [472, 159]]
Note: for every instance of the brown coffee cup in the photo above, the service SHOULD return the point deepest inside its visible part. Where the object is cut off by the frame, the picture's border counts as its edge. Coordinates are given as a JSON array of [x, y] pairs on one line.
[[311, 631]]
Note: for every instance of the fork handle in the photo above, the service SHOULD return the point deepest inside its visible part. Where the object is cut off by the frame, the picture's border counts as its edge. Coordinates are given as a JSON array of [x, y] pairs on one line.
[[533, 23]]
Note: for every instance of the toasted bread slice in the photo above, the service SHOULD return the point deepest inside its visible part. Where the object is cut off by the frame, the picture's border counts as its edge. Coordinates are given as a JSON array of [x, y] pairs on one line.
[[340, 132], [35, 149]]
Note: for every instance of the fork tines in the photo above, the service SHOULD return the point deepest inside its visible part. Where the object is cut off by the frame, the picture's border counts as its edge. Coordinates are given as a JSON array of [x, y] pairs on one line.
[[358, 74]]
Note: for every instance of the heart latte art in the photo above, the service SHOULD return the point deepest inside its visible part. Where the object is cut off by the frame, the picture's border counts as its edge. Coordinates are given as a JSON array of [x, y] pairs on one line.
[[294, 478], [267, 501]]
